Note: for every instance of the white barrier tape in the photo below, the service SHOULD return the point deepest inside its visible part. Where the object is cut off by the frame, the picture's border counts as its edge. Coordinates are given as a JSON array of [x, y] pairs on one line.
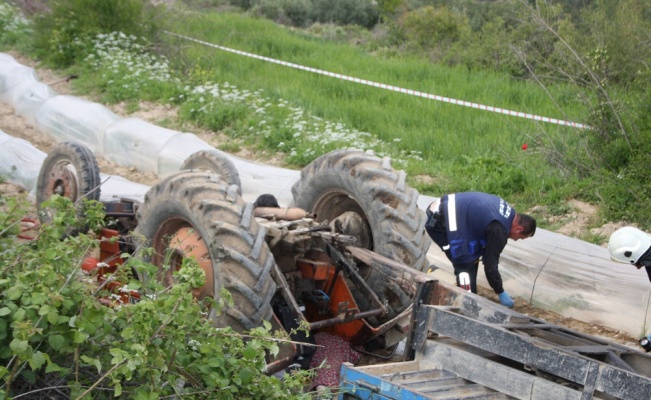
[[389, 87]]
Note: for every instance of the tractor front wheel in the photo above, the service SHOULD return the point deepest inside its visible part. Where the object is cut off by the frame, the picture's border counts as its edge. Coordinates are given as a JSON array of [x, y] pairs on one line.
[[70, 170]]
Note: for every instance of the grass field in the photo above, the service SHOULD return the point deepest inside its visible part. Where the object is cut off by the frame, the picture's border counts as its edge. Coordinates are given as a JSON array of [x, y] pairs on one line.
[[423, 136]]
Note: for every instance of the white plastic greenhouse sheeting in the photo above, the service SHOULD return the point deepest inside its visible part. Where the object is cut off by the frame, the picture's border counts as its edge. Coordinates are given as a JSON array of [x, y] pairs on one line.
[[572, 277]]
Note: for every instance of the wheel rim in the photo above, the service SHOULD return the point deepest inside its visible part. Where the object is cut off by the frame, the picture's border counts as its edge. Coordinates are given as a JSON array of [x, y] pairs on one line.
[[62, 181], [338, 204], [175, 240]]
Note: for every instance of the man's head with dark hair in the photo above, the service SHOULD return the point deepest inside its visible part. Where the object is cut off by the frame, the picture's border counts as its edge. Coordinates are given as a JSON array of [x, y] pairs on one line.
[[266, 200], [522, 227], [528, 223]]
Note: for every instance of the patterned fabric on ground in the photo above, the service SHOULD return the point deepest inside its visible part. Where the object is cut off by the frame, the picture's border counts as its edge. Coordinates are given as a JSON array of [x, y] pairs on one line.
[[335, 351]]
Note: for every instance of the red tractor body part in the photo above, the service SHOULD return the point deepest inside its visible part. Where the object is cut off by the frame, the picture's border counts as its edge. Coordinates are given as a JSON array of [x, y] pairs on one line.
[[110, 258]]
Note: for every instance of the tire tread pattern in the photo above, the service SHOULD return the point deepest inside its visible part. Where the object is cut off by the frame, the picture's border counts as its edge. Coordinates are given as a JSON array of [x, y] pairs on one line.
[[215, 161], [241, 259], [391, 208]]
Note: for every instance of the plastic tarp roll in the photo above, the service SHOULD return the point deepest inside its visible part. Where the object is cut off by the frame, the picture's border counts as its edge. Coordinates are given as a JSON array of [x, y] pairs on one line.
[[136, 143], [20, 162], [578, 279], [7, 78], [14, 78], [7, 59], [176, 150], [260, 179], [115, 188], [11, 73], [69, 118], [30, 100]]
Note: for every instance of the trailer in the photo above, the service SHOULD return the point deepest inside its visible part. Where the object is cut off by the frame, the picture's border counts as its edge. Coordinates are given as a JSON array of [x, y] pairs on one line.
[[462, 346]]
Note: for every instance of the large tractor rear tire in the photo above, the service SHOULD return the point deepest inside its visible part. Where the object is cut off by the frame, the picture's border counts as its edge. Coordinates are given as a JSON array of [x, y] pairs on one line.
[[196, 214], [363, 196], [70, 170], [363, 192]]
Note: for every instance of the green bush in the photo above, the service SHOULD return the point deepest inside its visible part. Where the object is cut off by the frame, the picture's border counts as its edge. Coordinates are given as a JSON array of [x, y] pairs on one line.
[[485, 50], [298, 12], [286, 12], [204, 4], [57, 339], [431, 28], [345, 12], [10, 219], [302, 13], [63, 35], [243, 4], [269, 9], [14, 28], [121, 68]]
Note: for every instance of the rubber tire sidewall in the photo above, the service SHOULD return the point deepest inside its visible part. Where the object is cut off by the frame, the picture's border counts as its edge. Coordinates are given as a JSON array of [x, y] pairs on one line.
[[241, 259], [390, 206], [88, 180]]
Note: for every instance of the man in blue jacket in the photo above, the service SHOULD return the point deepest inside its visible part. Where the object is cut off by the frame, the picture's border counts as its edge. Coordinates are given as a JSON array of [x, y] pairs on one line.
[[472, 225]]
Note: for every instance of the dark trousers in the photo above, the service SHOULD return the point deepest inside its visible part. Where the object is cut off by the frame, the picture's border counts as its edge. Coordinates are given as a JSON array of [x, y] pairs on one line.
[[436, 229]]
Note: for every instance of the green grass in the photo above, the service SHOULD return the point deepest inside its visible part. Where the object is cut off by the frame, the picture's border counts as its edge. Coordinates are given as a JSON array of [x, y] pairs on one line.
[[267, 39], [274, 108], [443, 134]]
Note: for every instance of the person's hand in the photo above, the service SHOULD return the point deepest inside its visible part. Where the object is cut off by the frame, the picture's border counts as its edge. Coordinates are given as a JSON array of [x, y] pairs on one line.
[[505, 299]]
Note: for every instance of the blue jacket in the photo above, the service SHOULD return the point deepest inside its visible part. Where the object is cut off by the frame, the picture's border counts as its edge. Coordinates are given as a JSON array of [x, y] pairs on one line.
[[467, 216]]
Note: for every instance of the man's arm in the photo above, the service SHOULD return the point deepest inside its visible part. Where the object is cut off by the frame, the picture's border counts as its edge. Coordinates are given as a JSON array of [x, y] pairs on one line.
[[496, 238]]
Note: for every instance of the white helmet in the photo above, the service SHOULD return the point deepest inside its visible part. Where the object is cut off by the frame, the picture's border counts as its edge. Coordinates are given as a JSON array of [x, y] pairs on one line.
[[628, 244]]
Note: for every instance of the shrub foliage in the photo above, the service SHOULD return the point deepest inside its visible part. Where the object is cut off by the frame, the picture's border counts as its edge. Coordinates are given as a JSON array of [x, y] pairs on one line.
[[64, 30], [57, 339]]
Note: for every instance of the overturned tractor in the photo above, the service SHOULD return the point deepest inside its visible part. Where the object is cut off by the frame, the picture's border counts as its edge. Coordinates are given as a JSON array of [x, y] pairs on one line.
[[338, 260]]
